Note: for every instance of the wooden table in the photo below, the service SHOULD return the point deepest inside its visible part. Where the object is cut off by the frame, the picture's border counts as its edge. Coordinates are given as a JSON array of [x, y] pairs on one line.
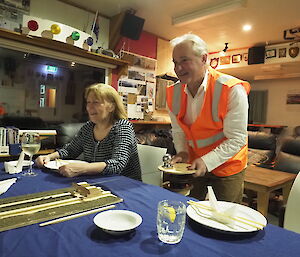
[[264, 181]]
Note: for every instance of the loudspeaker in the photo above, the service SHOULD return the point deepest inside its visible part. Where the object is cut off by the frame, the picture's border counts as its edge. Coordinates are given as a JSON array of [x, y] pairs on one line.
[[132, 26], [256, 55]]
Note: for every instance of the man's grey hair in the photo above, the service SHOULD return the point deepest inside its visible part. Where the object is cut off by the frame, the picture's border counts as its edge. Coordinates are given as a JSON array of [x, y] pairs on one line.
[[199, 45]]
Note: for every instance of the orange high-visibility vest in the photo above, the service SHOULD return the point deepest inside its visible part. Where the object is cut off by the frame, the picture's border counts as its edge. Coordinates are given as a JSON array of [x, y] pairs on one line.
[[206, 133]]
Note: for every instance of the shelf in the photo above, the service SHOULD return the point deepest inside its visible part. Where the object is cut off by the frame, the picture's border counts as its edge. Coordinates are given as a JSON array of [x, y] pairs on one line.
[[13, 40]]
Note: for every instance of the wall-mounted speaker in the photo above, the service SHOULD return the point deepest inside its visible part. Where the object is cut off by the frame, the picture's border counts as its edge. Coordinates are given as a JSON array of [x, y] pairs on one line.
[[132, 26], [256, 55]]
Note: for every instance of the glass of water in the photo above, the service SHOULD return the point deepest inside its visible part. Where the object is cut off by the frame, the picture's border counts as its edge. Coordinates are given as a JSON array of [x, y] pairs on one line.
[[171, 216], [31, 144]]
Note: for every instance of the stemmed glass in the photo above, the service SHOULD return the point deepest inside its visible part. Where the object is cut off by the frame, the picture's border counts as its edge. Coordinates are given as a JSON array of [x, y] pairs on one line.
[[31, 144]]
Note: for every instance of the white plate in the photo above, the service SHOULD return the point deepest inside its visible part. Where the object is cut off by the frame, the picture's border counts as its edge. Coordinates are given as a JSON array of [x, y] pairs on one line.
[[178, 169], [117, 222], [241, 211], [25, 163], [53, 165]]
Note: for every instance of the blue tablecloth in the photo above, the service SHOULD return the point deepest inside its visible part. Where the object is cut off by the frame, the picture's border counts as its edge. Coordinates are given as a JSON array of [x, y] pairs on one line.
[[80, 237]]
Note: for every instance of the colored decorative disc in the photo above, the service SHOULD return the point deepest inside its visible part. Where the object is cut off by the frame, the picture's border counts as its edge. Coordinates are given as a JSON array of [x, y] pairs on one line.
[[55, 29], [75, 35], [90, 41], [32, 25]]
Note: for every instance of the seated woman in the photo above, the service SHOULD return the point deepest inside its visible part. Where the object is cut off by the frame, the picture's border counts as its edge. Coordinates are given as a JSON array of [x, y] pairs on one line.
[[107, 140]]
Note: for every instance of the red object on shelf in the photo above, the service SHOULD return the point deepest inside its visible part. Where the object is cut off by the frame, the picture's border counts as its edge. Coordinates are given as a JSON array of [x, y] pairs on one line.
[[33, 25]]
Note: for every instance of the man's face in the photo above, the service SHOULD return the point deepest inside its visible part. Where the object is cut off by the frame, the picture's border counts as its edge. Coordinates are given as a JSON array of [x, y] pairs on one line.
[[189, 67]]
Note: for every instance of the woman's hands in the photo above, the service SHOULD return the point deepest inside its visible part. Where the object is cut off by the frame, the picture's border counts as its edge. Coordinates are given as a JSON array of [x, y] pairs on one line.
[[73, 169], [42, 160]]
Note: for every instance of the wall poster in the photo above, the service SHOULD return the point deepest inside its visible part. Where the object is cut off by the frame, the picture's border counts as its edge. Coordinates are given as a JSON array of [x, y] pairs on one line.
[[139, 86]]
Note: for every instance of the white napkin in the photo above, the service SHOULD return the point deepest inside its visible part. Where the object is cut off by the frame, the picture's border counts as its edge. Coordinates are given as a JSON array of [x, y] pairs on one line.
[[12, 168], [223, 216], [20, 162], [6, 184]]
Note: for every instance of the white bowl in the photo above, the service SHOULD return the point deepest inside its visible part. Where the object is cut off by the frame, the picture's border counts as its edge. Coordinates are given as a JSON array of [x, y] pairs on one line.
[[117, 222]]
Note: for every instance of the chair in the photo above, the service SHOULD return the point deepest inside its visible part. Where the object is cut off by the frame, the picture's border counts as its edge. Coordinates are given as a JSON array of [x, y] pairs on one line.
[[261, 144], [292, 210], [150, 158], [288, 159]]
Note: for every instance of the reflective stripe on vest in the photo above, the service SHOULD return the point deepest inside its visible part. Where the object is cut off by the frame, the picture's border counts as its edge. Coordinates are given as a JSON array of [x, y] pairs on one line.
[[217, 94], [206, 142], [176, 101]]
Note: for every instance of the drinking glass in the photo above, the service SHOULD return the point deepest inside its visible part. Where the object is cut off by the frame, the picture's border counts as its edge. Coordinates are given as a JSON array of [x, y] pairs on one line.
[[31, 144], [171, 217]]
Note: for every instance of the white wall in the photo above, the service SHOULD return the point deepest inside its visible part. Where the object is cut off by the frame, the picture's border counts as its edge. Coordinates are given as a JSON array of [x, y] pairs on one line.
[[278, 112], [82, 20]]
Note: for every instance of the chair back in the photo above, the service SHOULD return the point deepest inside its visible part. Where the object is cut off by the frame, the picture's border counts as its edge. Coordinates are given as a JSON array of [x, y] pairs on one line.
[[150, 158], [288, 159], [291, 217]]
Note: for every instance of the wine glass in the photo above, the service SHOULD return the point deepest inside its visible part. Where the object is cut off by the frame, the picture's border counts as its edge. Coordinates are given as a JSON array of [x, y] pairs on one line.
[[31, 144]]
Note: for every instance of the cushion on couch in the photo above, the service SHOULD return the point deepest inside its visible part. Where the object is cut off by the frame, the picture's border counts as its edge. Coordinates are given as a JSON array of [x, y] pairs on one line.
[[261, 146], [288, 159], [66, 131]]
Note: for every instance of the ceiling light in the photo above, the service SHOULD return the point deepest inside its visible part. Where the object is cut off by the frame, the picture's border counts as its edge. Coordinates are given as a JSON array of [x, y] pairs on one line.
[[247, 27], [209, 11]]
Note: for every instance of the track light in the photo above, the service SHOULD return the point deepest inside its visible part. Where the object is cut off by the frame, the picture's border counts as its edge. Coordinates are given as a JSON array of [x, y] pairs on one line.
[[225, 48]]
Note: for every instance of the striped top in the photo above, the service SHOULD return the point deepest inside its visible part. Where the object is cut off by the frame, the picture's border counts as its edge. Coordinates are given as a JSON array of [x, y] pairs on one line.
[[118, 149]]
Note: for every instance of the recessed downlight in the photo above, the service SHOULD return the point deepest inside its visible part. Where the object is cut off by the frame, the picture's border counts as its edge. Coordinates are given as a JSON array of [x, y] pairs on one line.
[[247, 27]]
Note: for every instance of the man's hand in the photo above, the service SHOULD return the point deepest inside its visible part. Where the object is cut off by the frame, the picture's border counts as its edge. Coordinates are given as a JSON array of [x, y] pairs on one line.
[[180, 157], [199, 166]]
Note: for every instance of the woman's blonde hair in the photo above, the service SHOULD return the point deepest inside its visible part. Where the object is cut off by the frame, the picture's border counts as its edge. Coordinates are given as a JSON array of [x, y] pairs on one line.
[[109, 94]]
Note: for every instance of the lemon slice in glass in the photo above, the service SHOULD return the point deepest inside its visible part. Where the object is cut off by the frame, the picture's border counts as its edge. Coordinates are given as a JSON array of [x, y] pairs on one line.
[[172, 213]]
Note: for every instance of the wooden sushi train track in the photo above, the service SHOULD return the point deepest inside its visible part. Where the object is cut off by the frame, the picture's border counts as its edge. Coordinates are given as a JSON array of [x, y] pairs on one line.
[[38, 207]]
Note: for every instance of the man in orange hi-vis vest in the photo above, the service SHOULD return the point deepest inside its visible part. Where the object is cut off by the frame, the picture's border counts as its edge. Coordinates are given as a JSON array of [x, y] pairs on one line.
[[209, 116]]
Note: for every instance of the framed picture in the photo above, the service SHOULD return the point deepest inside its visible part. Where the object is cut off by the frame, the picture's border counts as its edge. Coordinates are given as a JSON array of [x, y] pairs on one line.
[[245, 57], [236, 58], [293, 99], [282, 52], [225, 60], [214, 62], [271, 53], [294, 51]]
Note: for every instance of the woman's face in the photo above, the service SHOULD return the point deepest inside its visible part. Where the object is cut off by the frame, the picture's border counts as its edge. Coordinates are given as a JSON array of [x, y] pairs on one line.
[[98, 110]]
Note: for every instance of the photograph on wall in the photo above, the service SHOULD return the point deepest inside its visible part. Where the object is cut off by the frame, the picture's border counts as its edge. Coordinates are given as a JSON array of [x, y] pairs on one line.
[[136, 75], [293, 99], [270, 53], [127, 86], [150, 90], [236, 58], [225, 60], [22, 5], [282, 52]]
